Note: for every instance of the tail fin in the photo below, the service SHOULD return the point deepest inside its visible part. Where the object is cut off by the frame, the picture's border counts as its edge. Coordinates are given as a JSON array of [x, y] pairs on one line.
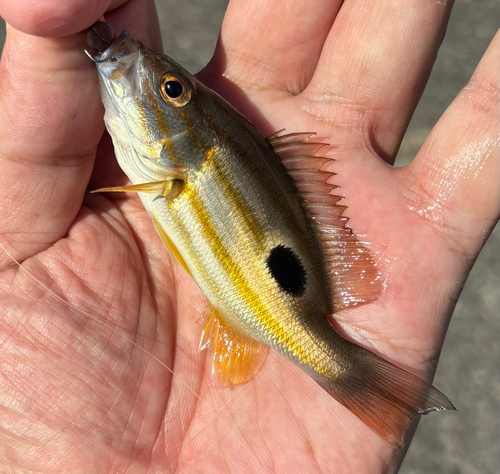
[[385, 397]]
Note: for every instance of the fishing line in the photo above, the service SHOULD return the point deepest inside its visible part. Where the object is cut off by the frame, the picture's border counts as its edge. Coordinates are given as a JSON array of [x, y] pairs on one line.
[[94, 318], [246, 445]]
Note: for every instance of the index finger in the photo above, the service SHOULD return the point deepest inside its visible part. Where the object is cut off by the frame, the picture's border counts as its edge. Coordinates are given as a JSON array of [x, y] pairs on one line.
[[272, 44]]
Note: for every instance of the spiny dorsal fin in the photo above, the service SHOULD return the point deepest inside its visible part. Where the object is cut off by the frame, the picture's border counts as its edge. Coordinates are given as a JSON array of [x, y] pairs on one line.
[[235, 358], [354, 277]]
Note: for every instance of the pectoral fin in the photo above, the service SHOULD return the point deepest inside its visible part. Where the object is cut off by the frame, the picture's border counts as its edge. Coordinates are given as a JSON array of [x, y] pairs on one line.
[[235, 358], [169, 188]]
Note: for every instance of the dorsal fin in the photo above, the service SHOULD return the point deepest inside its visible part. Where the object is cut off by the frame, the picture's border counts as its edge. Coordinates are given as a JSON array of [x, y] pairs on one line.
[[235, 358], [353, 274]]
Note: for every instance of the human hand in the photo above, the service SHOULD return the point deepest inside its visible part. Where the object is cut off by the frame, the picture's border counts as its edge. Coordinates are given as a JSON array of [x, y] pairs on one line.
[[87, 394]]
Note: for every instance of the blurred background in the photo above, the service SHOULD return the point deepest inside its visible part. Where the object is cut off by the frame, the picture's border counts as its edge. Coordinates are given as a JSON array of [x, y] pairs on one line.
[[466, 442]]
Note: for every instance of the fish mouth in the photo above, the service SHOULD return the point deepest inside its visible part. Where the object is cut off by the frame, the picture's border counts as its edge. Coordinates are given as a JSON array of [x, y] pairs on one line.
[[120, 59], [114, 53], [99, 37], [120, 49]]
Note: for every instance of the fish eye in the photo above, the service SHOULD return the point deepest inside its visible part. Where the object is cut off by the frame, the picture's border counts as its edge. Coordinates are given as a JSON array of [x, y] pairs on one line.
[[174, 90]]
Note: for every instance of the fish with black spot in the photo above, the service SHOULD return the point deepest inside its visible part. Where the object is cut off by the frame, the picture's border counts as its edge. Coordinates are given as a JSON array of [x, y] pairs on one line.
[[253, 220]]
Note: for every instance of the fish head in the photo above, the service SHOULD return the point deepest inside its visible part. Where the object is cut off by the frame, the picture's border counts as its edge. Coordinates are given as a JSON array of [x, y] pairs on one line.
[[150, 109]]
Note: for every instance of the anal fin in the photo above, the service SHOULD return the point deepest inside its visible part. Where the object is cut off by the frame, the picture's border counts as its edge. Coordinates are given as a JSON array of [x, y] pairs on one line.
[[235, 358]]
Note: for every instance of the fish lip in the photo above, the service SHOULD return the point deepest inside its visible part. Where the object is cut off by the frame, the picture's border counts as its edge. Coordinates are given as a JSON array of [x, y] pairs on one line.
[[121, 48], [122, 55]]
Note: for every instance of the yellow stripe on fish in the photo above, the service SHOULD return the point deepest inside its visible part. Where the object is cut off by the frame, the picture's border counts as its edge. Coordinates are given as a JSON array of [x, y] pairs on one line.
[[247, 282]]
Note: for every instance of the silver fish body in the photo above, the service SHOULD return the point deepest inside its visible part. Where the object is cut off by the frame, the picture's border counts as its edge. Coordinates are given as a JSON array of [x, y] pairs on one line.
[[253, 221], [238, 202]]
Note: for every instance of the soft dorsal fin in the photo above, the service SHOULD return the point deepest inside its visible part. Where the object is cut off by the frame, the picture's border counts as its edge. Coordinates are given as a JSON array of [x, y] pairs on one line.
[[235, 358], [354, 276]]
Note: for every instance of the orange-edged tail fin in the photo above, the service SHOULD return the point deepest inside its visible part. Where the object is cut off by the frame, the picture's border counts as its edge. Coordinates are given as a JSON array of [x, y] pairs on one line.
[[384, 396]]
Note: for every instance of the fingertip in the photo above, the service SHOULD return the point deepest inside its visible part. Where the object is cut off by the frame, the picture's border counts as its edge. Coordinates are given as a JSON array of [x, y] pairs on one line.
[[54, 18]]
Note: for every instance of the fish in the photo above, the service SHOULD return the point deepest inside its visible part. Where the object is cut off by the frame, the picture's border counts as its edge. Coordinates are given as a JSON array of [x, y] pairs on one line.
[[254, 221]]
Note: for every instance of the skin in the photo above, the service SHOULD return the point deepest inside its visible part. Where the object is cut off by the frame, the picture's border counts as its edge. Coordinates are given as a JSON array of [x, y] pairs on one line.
[[84, 392]]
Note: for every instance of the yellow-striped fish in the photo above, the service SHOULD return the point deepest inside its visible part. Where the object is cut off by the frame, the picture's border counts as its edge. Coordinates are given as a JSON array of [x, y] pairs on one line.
[[253, 220]]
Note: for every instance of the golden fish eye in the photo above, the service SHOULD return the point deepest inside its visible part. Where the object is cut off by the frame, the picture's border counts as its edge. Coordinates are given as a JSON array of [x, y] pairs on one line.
[[174, 90]]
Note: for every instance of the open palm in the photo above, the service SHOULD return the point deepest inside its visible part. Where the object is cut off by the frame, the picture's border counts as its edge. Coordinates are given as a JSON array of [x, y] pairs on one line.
[[86, 349]]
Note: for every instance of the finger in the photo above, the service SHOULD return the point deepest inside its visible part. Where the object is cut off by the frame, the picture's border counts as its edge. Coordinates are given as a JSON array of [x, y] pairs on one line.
[[54, 18], [453, 181], [49, 129], [374, 66], [50, 125], [272, 44]]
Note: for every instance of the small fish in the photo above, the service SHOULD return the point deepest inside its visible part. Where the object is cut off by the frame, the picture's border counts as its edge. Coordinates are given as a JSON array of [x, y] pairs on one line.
[[254, 222]]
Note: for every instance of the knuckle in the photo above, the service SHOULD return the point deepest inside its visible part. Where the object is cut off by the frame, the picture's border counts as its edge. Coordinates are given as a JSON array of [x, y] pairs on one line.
[[482, 96]]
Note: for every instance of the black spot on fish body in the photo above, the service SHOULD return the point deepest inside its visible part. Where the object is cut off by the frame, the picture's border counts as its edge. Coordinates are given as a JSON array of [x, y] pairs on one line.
[[287, 269]]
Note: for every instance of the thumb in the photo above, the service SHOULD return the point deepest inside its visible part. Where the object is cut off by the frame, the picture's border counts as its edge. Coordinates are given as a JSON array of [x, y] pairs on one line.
[[50, 125]]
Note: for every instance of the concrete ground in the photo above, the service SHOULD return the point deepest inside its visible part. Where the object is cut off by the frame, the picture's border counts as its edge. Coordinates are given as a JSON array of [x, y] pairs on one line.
[[466, 442]]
